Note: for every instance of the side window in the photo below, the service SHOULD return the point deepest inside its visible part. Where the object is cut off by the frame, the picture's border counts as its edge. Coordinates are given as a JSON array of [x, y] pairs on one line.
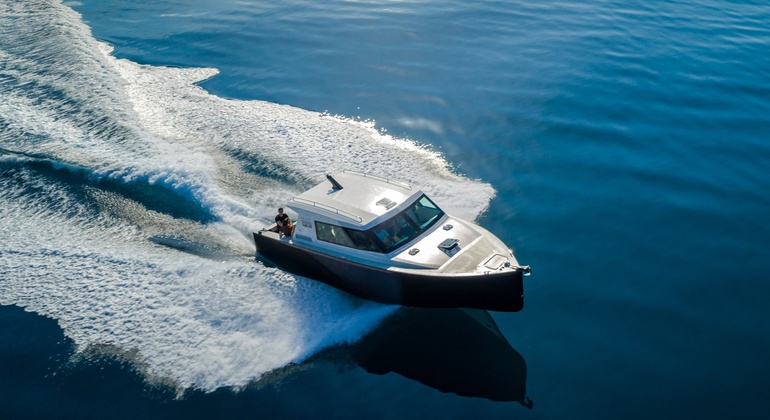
[[344, 236], [334, 234], [361, 240]]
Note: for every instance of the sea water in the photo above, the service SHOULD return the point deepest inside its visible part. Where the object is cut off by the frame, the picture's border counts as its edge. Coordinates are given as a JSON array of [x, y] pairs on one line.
[[621, 149]]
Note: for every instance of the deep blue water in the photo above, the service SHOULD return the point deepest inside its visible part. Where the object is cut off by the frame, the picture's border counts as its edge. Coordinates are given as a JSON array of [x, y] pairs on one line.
[[628, 144]]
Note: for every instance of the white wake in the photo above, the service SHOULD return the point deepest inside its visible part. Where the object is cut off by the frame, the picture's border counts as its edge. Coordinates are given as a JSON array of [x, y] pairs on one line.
[[82, 254]]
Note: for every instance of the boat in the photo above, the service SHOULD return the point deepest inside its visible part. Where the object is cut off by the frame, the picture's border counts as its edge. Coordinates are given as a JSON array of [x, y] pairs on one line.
[[383, 240]]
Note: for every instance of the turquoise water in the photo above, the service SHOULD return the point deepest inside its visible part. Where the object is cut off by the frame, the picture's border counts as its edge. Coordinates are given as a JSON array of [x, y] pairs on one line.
[[621, 149]]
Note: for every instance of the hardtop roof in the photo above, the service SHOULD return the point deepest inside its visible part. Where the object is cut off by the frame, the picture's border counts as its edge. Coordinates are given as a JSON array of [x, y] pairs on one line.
[[362, 199]]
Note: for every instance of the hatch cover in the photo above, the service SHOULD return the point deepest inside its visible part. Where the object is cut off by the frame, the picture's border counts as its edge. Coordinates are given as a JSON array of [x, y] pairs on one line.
[[496, 262]]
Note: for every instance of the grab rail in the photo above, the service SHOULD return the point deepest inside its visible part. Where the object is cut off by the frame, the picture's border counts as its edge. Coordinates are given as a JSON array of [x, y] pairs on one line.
[[381, 179], [329, 208]]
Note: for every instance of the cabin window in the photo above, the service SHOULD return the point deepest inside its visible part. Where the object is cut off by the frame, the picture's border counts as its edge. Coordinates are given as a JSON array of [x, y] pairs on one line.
[[331, 233], [407, 225], [395, 231], [361, 240], [344, 236], [423, 213]]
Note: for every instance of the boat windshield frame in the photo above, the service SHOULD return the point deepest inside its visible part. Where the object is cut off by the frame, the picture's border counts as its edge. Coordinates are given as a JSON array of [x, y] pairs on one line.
[[406, 225]]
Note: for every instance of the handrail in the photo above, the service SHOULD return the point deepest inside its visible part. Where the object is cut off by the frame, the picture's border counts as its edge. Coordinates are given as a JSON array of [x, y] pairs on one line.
[[382, 179], [329, 208]]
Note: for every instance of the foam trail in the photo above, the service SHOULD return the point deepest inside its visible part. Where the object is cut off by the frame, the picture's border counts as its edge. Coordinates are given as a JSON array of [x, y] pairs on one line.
[[84, 136], [199, 322]]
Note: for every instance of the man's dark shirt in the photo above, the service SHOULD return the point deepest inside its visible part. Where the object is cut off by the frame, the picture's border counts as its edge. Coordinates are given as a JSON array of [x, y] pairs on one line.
[[282, 218]]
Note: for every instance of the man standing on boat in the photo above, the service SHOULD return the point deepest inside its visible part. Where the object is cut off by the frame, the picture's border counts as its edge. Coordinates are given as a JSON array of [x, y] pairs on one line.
[[283, 223]]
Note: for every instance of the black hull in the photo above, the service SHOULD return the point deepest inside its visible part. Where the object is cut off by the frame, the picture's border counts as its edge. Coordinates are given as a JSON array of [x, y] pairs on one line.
[[497, 291]]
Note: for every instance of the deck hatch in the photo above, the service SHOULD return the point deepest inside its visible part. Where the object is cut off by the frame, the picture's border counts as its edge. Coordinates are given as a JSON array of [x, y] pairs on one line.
[[387, 203], [496, 262], [448, 244]]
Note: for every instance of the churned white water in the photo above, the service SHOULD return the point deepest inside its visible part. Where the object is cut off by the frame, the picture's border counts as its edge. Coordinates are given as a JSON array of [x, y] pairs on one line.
[[74, 118]]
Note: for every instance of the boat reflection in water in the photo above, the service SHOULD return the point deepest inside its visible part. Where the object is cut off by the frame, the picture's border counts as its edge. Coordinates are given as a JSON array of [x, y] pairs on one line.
[[461, 351]]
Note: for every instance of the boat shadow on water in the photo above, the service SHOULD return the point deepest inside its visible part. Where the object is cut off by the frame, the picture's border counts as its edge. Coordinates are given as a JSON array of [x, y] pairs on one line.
[[461, 351]]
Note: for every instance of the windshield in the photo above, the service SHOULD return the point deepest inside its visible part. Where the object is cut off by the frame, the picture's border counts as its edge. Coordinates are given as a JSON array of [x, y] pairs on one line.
[[407, 225]]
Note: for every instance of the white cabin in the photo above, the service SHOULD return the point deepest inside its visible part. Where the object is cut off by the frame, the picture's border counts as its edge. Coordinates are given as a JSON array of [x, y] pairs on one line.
[[384, 223]]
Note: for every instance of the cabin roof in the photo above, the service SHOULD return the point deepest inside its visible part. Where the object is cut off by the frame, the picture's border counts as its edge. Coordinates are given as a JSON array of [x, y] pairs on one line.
[[362, 199]]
